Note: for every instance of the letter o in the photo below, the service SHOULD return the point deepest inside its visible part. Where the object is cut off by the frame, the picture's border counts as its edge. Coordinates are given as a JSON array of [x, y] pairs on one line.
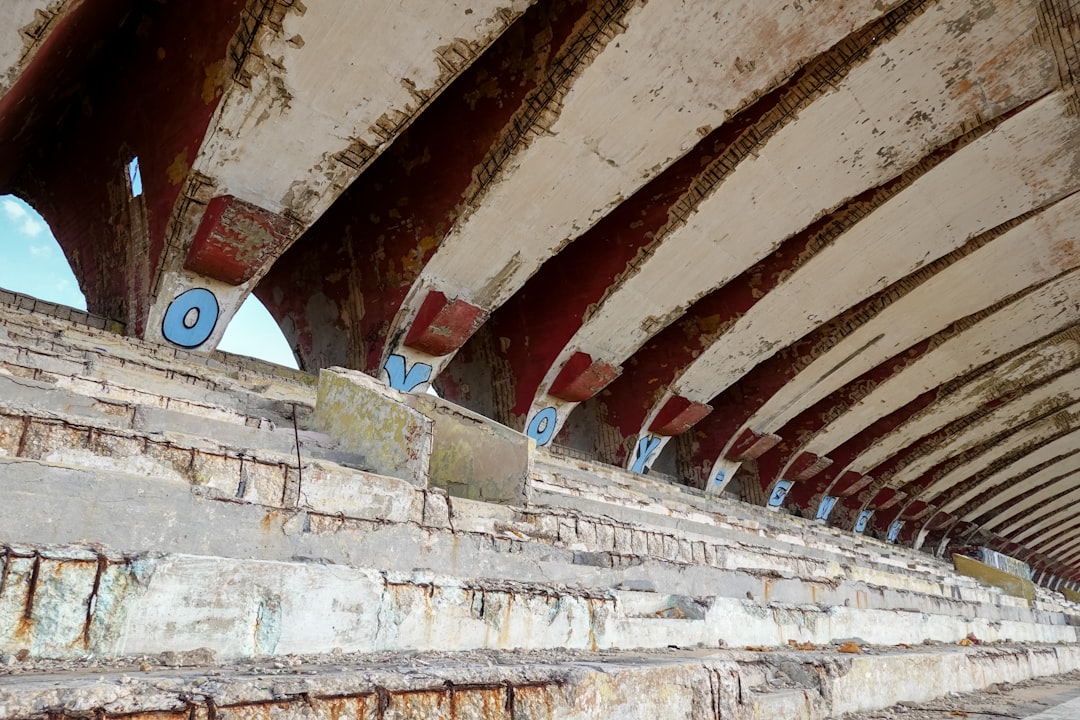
[[542, 426], [175, 326]]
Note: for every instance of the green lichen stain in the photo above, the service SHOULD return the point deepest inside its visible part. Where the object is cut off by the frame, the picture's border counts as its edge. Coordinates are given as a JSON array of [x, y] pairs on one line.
[[387, 434], [268, 624], [452, 464]]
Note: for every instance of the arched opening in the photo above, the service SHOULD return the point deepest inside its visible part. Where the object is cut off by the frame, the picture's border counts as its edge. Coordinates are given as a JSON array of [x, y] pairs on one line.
[[31, 261], [253, 332]]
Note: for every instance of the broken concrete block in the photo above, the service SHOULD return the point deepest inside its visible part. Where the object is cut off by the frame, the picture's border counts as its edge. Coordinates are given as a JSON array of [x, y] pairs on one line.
[[371, 420], [475, 457]]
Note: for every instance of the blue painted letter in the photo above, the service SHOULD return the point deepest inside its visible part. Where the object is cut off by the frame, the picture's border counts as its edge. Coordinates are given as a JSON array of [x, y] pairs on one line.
[[779, 493], [894, 530], [645, 448], [542, 426], [825, 508], [190, 318], [864, 518], [399, 379]]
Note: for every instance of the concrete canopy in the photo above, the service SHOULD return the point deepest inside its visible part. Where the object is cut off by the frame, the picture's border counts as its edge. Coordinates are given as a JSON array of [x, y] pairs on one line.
[[826, 251]]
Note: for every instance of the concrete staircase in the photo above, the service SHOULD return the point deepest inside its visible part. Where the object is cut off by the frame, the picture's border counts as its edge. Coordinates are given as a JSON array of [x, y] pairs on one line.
[[158, 504]]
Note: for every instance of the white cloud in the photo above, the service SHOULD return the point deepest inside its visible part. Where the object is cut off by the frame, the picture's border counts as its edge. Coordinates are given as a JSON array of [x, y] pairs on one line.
[[14, 210], [42, 251], [25, 222], [31, 227]]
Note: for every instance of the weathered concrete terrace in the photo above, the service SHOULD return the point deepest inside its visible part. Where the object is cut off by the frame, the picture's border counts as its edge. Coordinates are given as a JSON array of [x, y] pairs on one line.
[[157, 512], [816, 255], [656, 356]]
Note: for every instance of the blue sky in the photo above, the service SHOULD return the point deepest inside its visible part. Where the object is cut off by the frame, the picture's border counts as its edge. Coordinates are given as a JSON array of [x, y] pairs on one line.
[[32, 263]]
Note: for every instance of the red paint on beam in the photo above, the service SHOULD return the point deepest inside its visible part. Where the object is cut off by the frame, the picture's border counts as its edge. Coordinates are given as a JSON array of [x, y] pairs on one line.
[[915, 509], [801, 429], [442, 326], [1010, 548], [806, 465], [847, 452], [990, 514], [937, 529], [888, 506], [908, 534], [235, 239], [919, 485], [678, 415], [751, 445], [582, 377], [850, 483], [813, 420], [551, 306], [660, 361], [889, 499], [69, 126], [663, 358]]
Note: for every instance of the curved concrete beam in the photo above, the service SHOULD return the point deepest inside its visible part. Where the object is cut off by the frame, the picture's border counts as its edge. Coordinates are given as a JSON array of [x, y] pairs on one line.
[[1048, 446], [327, 86], [666, 81], [1043, 312], [1046, 359], [810, 166], [27, 26], [1009, 418]]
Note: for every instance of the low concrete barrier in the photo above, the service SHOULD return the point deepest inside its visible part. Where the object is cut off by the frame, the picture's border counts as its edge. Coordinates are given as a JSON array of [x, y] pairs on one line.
[[1012, 584], [473, 456], [366, 419]]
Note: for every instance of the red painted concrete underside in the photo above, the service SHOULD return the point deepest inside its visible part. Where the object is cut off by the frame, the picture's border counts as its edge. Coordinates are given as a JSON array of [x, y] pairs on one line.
[[582, 377], [988, 515], [140, 90], [802, 428], [678, 415], [236, 238], [809, 494], [443, 324], [751, 445], [915, 488]]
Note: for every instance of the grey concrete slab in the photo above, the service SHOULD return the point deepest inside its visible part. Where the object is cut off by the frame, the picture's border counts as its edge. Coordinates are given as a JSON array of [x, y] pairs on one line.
[[1069, 709]]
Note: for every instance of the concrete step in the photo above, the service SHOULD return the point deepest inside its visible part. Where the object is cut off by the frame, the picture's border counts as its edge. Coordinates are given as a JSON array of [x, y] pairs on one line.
[[798, 578], [380, 564], [97, 398], [225, 541], [584, 476], [51, 344], [49, 422], [674, 685], [80, 369], [553, 489], [64, 428], [253, 469], [746, 519]]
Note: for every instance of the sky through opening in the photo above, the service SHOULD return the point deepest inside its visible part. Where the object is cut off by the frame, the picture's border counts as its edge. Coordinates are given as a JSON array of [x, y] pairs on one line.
[[32, 263]]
